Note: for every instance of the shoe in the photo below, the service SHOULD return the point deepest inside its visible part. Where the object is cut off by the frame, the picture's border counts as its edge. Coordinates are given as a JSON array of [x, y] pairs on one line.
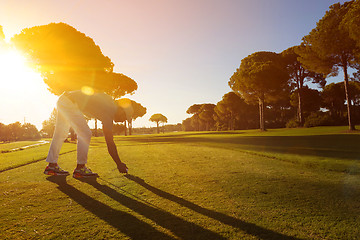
[[84, 173], [55, 171]]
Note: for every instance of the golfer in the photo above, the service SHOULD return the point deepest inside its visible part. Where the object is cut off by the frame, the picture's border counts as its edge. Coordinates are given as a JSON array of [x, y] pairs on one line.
[[71, 108]]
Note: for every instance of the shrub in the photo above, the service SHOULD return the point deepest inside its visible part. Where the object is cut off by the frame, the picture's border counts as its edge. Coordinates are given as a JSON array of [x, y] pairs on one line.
[[318, 119], [293, 123]]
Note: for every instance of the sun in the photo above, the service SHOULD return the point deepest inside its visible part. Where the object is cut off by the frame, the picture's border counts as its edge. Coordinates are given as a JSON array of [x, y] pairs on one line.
[[15, 72], [23, 93]]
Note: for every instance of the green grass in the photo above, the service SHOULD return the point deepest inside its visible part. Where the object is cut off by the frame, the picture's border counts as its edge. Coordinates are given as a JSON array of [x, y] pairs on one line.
[[279, 184]]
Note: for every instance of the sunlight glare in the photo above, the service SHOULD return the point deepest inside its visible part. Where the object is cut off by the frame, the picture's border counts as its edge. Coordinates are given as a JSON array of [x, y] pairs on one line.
[[23, 93], [15, 74], [87, 90]]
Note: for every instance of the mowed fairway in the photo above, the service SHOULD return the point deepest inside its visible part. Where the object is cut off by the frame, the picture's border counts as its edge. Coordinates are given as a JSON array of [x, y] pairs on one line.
[[279, 184]]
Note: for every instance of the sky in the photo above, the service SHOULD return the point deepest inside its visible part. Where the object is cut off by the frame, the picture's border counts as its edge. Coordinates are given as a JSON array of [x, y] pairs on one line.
[[180, 52]]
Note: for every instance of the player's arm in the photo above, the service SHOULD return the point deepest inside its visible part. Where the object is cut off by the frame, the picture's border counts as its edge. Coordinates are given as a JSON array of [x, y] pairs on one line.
[[109, 138]]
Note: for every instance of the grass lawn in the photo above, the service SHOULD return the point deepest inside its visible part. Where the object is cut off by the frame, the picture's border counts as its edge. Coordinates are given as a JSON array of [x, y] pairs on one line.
[[279, 184]]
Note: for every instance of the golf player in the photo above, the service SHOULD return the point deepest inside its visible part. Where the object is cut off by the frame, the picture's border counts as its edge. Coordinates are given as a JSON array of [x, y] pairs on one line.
[[71, 108]]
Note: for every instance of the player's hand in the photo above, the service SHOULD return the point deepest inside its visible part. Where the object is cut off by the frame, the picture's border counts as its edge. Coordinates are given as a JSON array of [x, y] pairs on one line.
[[122, 168]]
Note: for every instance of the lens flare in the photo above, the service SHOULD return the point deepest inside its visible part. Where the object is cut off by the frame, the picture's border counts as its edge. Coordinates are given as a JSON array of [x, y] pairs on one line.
[[87, 90]]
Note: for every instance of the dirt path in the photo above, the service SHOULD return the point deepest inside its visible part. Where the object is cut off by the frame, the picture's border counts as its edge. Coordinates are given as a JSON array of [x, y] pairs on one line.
[[39, 143]]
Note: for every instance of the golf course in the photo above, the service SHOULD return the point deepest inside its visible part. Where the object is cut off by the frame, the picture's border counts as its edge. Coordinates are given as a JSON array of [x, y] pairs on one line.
[[278, 184]]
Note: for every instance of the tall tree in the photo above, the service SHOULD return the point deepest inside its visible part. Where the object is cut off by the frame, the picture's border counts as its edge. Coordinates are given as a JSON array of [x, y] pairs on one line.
[[2, 132], [30, 132], [138, 111], [261, 77], [126, 104], [231, 108], [333, 98], [48, 126], [158, 118], [299, 75], [351, 21], [186, 125], [207, 115], [119, 85], [311, 100], [66, 58], [195, 119], [328, 47], [15, 131]]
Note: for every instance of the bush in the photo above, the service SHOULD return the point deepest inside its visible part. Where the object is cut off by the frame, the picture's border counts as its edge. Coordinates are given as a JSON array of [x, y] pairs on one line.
[[293, 123], [318, 119]]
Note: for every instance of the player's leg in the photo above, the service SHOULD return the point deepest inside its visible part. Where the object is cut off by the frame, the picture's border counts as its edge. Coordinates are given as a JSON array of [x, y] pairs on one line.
[[80, 126], [60, 134]]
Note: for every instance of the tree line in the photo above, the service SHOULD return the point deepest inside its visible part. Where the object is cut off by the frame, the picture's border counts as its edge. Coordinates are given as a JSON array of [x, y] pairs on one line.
[[17, 131], [272, 89]]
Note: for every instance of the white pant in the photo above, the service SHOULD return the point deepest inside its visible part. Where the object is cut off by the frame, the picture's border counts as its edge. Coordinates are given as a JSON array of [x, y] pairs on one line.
[[69, 115]]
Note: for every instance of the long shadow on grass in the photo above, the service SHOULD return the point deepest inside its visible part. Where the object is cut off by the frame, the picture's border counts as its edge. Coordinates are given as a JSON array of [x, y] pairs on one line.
[[249, 228], [124, 222], [178, 226]]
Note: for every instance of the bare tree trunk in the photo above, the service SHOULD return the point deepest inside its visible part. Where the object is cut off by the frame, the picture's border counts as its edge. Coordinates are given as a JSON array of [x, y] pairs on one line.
[[157, 127], [261, 113], [96, 128], [348, 99], [232, 119], [130, 128], [300, 111], [125, 124]]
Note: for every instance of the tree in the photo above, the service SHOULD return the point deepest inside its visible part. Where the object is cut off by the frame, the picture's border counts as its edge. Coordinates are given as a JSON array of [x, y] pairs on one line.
[[138, 111], [186, 125], [333, 99], [48, 126], [279, 111], [15, 131], [120, 85], [30, 132], [231, 108], [2, 132], [299, 75], [261, 77], [195, 119], [351, 21], [203, 116], [311, 100], [66, 58], [207, 114], [158, 117], [328, 47]]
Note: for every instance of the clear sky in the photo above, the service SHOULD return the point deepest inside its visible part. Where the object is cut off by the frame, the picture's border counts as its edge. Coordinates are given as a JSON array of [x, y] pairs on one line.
[[180, 52]]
